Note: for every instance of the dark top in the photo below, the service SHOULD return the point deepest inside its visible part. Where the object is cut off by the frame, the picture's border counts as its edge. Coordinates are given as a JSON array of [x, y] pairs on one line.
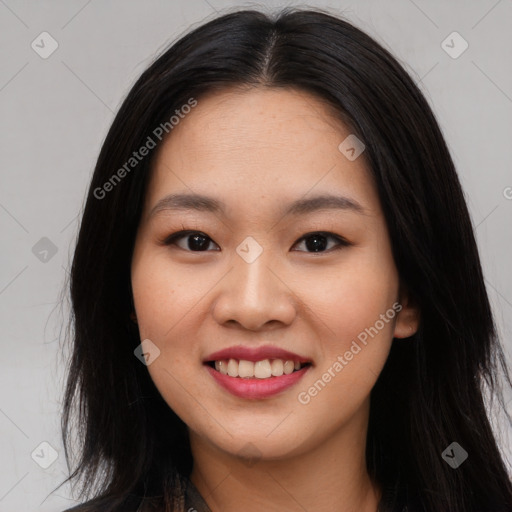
[[194, 502]]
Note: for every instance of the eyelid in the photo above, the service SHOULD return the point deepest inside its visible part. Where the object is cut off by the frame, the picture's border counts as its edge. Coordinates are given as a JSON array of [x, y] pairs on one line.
[[169, 240], [182, 233]]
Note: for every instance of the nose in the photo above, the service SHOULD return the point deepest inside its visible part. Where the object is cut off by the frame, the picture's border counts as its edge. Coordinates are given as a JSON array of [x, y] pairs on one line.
[[254, 296]]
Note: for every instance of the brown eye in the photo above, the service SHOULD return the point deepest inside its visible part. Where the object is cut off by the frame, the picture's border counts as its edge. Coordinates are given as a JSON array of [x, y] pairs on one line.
[[194, 241], [319, 242]]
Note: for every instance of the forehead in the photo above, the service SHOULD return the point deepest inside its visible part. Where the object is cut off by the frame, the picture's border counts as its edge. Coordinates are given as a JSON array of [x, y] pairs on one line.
[[259, 142], [282, 120]]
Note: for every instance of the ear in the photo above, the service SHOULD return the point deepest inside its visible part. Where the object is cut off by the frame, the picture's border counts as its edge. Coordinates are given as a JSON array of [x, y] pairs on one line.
[[408, 318]]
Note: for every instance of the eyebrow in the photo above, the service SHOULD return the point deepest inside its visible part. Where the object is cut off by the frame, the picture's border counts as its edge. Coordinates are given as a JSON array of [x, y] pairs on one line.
[[202, 203]]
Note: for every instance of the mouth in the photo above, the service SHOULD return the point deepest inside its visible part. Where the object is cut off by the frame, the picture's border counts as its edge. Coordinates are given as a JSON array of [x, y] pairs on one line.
[[256, 380], [263, 369], [256, 372]]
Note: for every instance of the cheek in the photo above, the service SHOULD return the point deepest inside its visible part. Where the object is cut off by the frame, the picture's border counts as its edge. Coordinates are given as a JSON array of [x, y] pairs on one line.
[[352, 296], [164, 301], [354, 307], [164, 294], [354, 335], [169, 301]]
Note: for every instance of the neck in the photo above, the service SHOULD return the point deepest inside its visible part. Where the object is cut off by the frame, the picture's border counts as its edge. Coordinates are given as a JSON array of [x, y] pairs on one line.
[[329, 477]]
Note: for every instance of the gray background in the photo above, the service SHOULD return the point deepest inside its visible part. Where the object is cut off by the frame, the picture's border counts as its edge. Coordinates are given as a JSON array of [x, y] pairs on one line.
[[55, 113]]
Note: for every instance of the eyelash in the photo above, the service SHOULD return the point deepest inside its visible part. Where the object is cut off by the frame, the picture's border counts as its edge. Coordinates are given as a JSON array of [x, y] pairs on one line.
[[172, 239]]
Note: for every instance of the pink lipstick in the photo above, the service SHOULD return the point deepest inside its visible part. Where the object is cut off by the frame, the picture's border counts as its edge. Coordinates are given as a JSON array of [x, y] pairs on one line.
[[256, 372]]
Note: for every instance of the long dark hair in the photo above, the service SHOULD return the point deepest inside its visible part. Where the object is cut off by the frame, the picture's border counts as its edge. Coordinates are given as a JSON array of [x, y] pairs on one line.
[[431, 390]]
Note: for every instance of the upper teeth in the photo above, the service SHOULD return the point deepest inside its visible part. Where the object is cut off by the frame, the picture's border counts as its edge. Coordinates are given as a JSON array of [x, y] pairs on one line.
[[260, 369]]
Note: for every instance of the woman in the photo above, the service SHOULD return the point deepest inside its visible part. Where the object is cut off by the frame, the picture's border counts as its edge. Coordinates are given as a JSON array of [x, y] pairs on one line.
[[278, 299]]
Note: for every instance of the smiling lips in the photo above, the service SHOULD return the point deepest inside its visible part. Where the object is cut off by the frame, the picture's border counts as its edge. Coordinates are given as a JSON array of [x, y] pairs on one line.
[[254, 373]]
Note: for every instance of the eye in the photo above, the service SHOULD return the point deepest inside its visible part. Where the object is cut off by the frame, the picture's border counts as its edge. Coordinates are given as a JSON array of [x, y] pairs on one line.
[[194, 241], [197, 241], [319, 241]]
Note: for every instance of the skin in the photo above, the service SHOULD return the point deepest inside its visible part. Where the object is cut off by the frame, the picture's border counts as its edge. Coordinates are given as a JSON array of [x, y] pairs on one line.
[[258, 150]]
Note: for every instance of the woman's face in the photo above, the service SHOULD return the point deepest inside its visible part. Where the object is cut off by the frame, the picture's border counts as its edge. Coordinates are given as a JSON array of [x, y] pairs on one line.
[[266, 161]]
